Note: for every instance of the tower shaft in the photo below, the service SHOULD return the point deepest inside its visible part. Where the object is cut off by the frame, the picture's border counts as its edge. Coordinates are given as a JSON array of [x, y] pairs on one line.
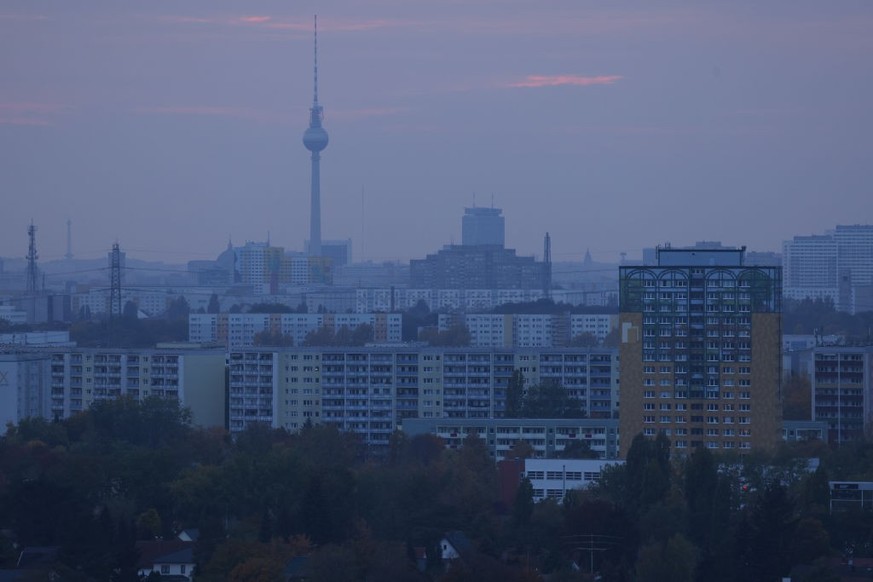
[[315, 207]]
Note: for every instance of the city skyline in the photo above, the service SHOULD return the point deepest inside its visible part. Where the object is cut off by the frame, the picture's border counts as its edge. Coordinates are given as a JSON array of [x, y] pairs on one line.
[[614, 128]]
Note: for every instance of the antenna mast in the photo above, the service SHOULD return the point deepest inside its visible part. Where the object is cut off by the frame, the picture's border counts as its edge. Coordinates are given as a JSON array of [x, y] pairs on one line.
[[69, 255], [32, 256]]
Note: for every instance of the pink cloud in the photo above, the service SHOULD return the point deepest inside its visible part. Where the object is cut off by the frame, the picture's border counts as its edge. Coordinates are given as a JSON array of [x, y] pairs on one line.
[[562, 80], [247, 113], [255, 19], [367, 112], [267, 22], [29, 113]]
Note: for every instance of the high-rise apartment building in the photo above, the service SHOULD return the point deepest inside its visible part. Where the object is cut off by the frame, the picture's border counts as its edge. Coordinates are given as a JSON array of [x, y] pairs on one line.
[[700, 351], [837, 266]]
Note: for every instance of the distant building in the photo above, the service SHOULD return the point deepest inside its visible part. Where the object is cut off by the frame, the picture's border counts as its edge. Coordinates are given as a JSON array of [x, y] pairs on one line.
[[483, 226], [476, 267], [338, 251], [836, 266], [700, 351], [526, 330], [238, 330]]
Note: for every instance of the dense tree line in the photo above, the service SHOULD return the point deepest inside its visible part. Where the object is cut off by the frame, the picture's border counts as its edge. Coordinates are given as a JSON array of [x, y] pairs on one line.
[[819, 316], [125, 471]]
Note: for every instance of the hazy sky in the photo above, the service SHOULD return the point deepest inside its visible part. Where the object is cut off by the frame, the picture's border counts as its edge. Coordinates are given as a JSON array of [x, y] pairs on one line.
[[171, 125]]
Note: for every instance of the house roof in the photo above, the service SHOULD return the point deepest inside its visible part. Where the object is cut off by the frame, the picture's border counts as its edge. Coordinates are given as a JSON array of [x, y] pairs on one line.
[[459, 541], [164, 552]]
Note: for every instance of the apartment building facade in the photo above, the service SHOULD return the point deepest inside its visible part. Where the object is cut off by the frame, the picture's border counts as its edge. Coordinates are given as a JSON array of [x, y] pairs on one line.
[[371, 391], [238, 330], [195, 378], [842, 390], [700, 351]]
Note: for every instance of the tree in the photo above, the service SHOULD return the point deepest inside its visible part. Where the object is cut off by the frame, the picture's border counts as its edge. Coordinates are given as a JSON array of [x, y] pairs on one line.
[[670, 561], [577, 449], [551, 400], [273, 339], [515, 395], [178, 308], [131, 310], [522, 508], [797, 401], [214, 305], [455, 336], [584, 340]]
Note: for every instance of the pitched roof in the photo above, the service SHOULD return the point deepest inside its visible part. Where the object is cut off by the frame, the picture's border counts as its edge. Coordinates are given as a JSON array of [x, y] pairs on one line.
[[164, 552]]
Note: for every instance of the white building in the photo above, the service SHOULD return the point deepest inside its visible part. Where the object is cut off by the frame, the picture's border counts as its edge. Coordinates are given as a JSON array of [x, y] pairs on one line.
[[836, 266], [24, 386], [552, 478]]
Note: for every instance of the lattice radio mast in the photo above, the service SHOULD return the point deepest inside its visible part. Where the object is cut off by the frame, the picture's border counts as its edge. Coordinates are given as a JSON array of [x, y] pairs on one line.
[[115, 282], [32, 256]]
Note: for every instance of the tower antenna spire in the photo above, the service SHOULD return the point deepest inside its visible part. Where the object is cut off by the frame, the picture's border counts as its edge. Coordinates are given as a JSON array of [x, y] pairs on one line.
[[315, 61]]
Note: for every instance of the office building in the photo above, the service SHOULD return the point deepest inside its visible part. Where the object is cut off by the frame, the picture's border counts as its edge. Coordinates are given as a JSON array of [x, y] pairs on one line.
[[483, 226], [484, 267], [700, 351]]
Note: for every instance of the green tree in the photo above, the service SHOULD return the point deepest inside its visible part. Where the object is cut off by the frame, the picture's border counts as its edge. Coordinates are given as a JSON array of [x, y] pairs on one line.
[[515, 395], [551, 400], [522, 508], [214, 305], [670, 561]]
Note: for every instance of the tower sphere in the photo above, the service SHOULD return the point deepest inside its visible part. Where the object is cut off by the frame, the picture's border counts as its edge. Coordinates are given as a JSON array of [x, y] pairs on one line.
[[315, 139]]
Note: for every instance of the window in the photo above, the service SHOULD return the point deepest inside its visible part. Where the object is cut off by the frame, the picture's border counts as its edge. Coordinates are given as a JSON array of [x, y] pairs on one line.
[[165, 568]]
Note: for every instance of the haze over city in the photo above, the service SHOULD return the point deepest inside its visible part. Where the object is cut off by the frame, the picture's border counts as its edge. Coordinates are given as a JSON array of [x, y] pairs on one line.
[[172, 126]]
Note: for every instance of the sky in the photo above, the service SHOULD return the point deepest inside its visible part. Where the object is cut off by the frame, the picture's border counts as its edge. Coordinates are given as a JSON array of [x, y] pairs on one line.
[[173, 126]]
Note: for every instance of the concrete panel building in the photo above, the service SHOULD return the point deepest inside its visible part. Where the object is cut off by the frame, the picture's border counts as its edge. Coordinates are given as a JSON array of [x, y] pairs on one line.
[[842, 391], [196, 378], [371, 391], [700, 351]]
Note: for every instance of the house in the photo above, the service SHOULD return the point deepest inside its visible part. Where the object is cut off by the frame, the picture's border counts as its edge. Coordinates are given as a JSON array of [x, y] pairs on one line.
[[454, 545], [173, 560]]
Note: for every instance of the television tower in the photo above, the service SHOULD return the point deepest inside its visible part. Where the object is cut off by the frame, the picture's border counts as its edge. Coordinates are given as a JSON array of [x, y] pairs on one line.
[[315, 140]]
